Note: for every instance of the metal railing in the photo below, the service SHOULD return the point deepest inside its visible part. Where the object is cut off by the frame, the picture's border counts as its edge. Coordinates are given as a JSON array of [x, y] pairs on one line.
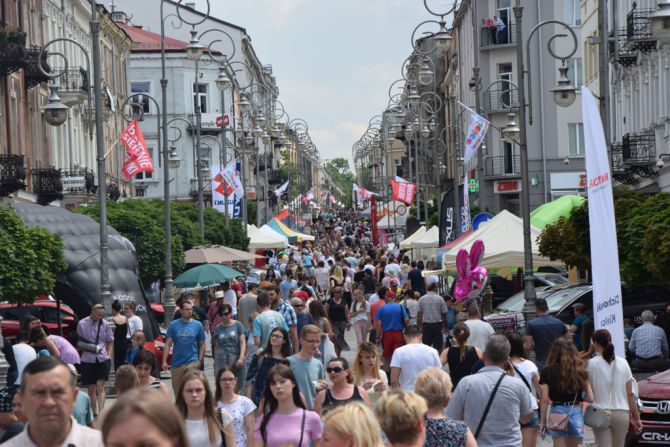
[[502, 166], [501, 98], [491, 37]]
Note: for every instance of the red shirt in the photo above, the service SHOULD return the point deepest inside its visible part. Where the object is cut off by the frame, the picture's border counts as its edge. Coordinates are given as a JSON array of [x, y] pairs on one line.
[[375, 307]]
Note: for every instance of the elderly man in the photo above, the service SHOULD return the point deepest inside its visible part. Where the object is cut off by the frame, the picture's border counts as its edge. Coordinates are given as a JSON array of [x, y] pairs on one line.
[[47, 396], [650, 345], [491, 402]]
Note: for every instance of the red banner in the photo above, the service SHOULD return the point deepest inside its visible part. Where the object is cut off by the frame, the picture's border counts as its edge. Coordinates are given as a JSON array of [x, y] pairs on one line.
[[373, 217], [138, 158], [403, 192]]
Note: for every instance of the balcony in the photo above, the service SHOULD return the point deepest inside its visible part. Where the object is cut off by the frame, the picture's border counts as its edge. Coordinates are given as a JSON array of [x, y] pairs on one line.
[[502, 166], [501, 98], [78, 181], [47, 185], [12, 50], [33, 74], [73, 85], [626, 55], [12, 174], [638, 30], [620, 171], [263, 161], [206, 187], [639, 153], [491, 38]]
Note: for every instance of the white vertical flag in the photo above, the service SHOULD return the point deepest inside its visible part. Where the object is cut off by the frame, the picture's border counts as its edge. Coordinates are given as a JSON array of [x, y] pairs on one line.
[[477, 127], [607, 306], [465, 215], [279, 191]]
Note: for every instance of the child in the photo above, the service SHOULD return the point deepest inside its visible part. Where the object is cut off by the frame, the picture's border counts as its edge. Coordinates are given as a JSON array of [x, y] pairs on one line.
[[136, 345]]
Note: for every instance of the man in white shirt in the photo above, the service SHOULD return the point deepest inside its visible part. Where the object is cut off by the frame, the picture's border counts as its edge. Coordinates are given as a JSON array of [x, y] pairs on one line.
[[23, 354], [409, 360], [134, 322], [480, 331]]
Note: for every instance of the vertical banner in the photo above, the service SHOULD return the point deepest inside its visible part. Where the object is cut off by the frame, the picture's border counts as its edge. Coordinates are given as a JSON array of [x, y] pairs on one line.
[[219, 194], [465, 215], [477, 127], [373, 217], [607, 306]]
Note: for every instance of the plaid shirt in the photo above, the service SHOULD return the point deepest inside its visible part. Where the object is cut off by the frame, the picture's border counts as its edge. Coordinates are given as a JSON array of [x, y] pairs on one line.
[[286, 311], [648, 341]]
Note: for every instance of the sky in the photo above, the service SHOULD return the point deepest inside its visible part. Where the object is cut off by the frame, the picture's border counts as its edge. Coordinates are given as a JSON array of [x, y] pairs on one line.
[[334, 60]]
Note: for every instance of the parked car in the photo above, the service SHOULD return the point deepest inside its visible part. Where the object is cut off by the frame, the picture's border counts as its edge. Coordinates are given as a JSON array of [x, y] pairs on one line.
[[44, 309], [504, 288], [654, 405]]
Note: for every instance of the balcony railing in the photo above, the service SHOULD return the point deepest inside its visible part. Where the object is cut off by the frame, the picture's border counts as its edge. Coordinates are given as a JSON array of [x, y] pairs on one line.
[[206, 187], [73, 85], [502, 166], [33, 74], [639, 153], [626, 54], [47, 185], [620, 171], [501, 98], [12, 174], [638, 29], [491, 37], [12, 50]]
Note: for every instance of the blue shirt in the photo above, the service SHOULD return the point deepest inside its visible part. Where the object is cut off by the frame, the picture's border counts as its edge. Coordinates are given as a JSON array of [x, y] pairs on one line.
[[545, 329], [577, 336], [186, 339], [81, 410], [285, 287], [306, 372], [304, 319], [452, 313], [648, 341], [391, 316]]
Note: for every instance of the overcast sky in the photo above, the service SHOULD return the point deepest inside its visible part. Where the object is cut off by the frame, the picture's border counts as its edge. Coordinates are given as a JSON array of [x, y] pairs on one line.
[[334, 60]]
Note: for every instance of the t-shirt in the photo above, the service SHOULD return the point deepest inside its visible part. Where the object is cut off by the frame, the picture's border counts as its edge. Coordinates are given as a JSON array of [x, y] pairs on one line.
[[285, 287], [248, 304], [391, 316], [265, 323], [68, 353], [601, 374], [544, 329], [230, 297], [228, 339], [134, 324], [480, 331], [307, 371], [369, 284], [81, 410], [238, 410], [186, 339], [284, 429], [412, 359], [360, 306], [577, 336], [551, 377], [303, 320], [198, 433], [23, 354], [528, 370], [417, 281]]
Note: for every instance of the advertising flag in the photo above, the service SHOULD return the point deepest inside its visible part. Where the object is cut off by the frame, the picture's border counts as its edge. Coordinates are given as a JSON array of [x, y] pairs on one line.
[[607, 306], [477, 127], [232, 177], [137, 158], [309, 196], [279, 191], [465, 216], [403, 192], [221, 194]]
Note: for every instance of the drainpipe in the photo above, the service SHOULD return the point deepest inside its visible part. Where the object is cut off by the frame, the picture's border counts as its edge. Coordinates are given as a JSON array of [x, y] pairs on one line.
[[545, 197]]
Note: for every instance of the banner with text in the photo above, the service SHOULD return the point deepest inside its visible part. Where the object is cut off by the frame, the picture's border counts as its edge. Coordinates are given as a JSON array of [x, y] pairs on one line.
[[137, 158], [477, 127], [465, 214], [607, 306], [221, 193], [403, 192]]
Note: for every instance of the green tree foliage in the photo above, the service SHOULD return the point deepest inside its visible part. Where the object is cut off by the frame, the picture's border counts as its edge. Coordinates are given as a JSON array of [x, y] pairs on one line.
[[31, 257], [340, 172], [143, 223], [643, 237]]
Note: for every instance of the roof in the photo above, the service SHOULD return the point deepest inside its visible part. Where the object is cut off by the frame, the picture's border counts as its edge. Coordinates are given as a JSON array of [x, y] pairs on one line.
[[148, 41]]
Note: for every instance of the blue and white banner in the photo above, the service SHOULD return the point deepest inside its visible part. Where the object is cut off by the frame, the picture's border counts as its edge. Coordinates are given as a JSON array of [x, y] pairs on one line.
[[221, 195], [477, 127], [607, 306]]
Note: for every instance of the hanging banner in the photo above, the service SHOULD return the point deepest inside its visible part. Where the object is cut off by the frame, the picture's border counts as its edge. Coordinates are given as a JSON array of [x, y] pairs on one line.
[[465, 215], [232, 177], [607, 306], [373, 218], [137, 159], [477, 127], [279, 191], [221, 195], [403, 192]]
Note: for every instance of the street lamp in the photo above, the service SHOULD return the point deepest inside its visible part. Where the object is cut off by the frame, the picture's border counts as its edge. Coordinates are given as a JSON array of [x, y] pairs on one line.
[[55, 112], [194, 49]]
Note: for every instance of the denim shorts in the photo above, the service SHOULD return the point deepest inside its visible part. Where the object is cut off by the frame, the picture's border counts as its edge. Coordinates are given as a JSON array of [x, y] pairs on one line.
[[534, 422], [575, 421]]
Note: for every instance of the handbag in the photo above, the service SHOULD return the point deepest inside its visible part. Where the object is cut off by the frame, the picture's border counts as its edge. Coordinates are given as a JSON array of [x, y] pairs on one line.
[[559, 422], [600, 418]]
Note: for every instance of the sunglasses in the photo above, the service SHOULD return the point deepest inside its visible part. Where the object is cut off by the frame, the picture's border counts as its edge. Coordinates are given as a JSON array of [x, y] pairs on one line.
[[337, 369], [226, 313], [298, 305]]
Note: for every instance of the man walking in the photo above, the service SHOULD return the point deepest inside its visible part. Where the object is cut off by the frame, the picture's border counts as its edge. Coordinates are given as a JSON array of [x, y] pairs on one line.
[[248, 305], [480, 330], [507, 398], [284, 308], [432, 318], [308, 370], [409, 360], [542, 331], [187, 338], [134, 322], [95, 363], [266, 321], [390, 320], [47, 394]]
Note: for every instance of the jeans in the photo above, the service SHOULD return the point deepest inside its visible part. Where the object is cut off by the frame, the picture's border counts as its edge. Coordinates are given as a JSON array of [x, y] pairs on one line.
[[432, 335], [361, 331]]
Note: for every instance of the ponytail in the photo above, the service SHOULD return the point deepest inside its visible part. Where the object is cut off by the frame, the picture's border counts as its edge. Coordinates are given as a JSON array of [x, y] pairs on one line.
[[603, 338], [462, 333]]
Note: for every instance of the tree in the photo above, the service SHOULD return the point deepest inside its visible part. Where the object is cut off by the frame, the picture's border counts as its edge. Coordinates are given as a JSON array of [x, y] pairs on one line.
[[31, 259], [339, 171]]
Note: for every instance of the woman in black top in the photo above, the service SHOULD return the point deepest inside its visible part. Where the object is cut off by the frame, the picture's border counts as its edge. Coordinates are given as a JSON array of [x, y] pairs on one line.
[[338, 315], [565, 383], [342, 391], [121, 343], [460, 357]]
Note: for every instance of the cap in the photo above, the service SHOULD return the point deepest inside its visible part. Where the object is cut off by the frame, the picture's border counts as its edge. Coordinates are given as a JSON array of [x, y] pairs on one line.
[[251, 280], [390, 294], [218, 295], [302, 295]]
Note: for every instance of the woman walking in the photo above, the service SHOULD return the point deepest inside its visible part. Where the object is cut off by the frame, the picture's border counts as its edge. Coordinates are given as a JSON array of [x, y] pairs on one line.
[[121, 344], [240, 408], [146, 366], [402, 416], [342, 390], [460, 357], [284, 419], [527, 372], [565, 384], [279, 348], [230, 344], [360, 316], [612, 391], [206, 426], [367, 373], [338, 314]]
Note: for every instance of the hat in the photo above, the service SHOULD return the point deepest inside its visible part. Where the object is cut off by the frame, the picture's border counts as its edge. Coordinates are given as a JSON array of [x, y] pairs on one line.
[[391, 273], [218, 295], [252, 280], [265, 284], [390, 294], [301, 294]]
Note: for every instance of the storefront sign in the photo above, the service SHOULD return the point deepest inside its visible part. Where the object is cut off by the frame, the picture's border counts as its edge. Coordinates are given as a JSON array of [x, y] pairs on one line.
[[74, 182], [567, 180], [507, 186]]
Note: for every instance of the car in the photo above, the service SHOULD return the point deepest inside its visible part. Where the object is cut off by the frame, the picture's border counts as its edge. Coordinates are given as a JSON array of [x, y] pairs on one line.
[[44, 309], [504, 288], [654, 405]]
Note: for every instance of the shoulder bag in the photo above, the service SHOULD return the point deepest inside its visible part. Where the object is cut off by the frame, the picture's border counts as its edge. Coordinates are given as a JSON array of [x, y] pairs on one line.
[[559, 422], [600, 417], [488, 405]]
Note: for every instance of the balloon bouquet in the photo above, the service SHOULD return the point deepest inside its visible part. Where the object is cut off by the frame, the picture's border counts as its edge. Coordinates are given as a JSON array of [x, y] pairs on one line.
[[472, 278]]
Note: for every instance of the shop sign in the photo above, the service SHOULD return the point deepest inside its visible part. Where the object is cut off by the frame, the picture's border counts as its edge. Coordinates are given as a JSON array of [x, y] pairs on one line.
[[507, 186]]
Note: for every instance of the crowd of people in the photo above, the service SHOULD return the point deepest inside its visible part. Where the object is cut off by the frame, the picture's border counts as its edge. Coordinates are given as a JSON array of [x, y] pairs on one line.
[[424, 370]]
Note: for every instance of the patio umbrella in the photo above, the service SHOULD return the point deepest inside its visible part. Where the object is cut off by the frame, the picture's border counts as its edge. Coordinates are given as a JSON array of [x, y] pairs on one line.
[[206, 275], [217, 253]]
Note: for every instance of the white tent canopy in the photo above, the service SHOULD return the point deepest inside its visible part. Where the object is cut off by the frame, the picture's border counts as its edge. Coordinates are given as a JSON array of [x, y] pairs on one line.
[[260, 240], [406, 244], [390, 222], [303, 236], [431, 239], [273, 234], [503, 244]]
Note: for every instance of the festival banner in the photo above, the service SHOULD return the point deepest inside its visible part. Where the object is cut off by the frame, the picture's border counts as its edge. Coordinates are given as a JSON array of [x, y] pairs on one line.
[[465, 215], [232, 177], [403, 192], [477, 127], [222, 194], [373, 218], [137, 159], [607, 306]]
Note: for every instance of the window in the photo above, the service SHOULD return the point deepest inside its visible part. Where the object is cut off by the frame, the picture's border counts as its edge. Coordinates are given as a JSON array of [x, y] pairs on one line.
[[205, 157], [505, 72], [504, 12], [510, 158], [146, 175], [201, 91], [142, 87], [575, 73], [576, 138], [573, 15]]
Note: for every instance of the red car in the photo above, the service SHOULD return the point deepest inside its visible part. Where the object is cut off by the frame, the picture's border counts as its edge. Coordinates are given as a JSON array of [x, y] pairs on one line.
[[654, 405], [46, 311]]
